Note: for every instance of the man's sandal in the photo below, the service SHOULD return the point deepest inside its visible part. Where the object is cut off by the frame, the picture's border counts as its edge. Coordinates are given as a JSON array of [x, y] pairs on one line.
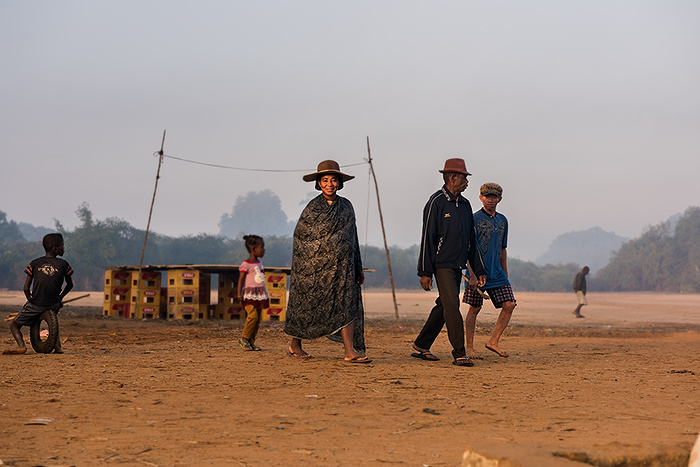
[[423, 354], [463, 361]]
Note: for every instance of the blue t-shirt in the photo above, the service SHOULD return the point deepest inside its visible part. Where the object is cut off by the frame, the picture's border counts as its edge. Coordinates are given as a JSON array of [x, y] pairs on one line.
[[491, 239]]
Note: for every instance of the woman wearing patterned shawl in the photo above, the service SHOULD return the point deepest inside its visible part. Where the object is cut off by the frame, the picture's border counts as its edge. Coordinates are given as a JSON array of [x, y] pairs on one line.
[[324, 292]]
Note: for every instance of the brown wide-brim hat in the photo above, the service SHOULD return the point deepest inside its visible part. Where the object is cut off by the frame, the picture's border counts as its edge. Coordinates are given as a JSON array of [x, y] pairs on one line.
[[327, 168], [455, 166]]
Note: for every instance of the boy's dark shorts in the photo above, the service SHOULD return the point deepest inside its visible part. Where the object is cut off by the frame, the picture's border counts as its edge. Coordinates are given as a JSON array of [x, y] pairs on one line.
[[31, 312], [499, 296]]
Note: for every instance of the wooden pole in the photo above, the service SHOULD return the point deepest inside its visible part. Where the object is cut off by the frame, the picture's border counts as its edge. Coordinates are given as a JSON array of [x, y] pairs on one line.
[[381, 221], [148, 225]]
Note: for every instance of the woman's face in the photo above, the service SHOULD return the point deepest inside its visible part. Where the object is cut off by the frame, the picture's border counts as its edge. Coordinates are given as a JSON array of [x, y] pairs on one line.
[[329, 186]]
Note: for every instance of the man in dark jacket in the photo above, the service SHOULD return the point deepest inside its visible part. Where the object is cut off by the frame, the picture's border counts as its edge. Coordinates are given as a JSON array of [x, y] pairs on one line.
[[448, 241], [580, 289]]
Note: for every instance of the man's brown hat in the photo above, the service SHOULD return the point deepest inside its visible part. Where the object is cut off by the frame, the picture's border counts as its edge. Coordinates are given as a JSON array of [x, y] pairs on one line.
[[491, 188], [455, 166], [327, 168]]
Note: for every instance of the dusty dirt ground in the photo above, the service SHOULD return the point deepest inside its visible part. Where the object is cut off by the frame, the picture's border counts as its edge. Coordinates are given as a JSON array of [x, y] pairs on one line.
[[163, 393]]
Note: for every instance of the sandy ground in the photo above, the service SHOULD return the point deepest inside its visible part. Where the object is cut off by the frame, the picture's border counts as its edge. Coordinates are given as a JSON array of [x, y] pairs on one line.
[[624, 379]]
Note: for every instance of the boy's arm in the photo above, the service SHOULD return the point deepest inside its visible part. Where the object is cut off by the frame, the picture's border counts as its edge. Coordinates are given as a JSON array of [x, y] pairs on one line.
[[472, 277], [474, 258], [504, 261], [68, 287], [27, 288]]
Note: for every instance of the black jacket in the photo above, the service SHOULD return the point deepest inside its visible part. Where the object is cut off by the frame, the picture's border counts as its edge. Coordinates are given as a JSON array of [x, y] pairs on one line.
[[448, 239]]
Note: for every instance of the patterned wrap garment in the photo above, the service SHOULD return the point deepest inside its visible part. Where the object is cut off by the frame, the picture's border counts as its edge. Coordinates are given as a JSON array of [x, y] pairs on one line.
[[324, 295]]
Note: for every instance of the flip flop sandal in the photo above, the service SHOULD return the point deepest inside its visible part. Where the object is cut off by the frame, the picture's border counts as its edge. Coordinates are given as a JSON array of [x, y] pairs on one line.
[[255, 347], [463, 361], [245, 345], [358, 359], [425, 355], [300, 355]]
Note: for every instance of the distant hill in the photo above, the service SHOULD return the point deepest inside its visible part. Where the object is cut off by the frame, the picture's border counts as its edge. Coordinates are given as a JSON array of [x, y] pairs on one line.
[[592, 248], [257, 212], [673, 220], [32, 233]]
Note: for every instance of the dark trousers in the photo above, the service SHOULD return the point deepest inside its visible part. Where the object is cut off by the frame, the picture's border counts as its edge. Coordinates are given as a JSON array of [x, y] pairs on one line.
[[445, 311]]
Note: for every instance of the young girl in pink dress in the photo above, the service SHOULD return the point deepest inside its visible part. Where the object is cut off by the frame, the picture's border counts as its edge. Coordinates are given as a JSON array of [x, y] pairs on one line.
[[252, 291]]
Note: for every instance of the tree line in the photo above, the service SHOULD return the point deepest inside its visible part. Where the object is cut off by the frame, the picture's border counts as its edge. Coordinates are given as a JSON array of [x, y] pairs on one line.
[[662, 259], [659, 260]]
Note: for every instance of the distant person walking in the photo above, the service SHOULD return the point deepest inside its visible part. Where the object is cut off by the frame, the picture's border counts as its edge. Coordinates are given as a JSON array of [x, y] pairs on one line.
[[448, 241], [580, 289], [492, 239], [252, 291], [324, 291]]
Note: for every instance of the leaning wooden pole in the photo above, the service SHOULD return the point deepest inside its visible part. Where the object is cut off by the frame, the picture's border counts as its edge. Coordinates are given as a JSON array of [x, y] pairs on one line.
[[381, 221], [148, 225]]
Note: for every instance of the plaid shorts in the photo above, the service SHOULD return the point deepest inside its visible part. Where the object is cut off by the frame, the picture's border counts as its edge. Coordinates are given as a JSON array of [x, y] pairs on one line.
[[499, 296]]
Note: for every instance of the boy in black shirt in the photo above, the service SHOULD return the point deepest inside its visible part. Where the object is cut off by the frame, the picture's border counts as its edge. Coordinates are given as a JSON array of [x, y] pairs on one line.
[[47, 275]]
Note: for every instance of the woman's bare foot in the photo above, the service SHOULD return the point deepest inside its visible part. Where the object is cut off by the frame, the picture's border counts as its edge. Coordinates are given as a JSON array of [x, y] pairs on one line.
[[295, 349], [472, 355], [299, 353]]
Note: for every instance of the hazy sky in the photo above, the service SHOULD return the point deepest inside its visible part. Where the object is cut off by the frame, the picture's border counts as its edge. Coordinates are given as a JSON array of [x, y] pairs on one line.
[[587, 113]]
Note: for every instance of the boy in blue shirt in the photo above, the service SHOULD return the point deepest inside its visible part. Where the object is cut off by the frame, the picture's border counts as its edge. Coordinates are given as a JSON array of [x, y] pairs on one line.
[[44, 289], [491, 239]]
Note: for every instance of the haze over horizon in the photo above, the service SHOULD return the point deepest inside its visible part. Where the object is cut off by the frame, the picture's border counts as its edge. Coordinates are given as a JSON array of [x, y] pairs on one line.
[[587, 113]]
